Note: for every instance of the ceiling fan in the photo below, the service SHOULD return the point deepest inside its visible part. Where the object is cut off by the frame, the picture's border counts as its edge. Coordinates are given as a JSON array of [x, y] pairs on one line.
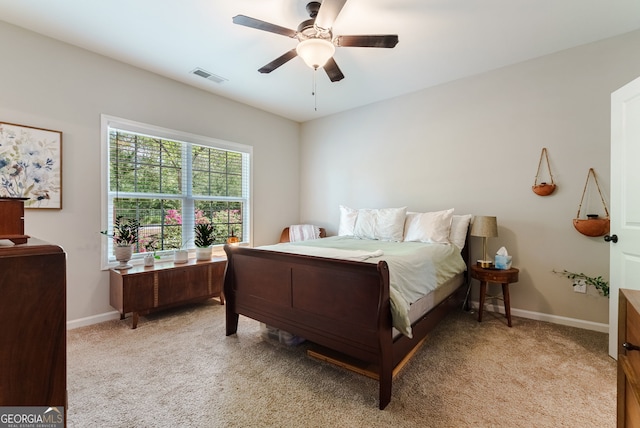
[[316, 44]]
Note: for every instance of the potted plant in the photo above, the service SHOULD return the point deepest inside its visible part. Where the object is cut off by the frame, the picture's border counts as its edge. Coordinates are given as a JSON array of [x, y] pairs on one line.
[[204, 239], [150, 248], [181, 255], [124, 236]]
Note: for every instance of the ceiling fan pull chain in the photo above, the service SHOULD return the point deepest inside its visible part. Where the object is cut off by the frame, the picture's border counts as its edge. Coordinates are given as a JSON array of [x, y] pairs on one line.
[[314, 90]]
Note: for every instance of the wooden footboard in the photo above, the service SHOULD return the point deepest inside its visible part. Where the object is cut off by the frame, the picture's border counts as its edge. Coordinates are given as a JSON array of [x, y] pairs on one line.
[[342, 305]]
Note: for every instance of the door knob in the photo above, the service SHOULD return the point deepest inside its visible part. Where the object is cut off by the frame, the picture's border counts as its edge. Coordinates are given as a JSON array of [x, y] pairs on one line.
[[630, 346], [612, 238]]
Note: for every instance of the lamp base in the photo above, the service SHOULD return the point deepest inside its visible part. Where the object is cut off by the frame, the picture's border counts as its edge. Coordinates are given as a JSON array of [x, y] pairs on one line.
[[485, 263]]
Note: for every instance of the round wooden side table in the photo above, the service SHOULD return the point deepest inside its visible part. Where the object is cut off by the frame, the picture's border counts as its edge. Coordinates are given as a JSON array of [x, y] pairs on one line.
[[499, 276]]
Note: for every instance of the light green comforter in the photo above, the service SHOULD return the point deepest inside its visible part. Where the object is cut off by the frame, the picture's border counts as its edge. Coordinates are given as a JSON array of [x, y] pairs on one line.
[[415, 268]]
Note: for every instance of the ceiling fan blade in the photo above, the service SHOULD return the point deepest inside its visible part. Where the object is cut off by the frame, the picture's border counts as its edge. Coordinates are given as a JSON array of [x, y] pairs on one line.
[[282, 59], [264, 26], [333, 71], [371, 41], [328, 13]]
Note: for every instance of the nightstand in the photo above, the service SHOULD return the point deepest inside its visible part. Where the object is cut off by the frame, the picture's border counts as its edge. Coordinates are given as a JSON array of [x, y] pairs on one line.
[[499, 276]]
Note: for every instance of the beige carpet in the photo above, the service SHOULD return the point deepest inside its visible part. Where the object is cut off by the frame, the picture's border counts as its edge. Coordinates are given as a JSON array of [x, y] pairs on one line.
[[178, 369]]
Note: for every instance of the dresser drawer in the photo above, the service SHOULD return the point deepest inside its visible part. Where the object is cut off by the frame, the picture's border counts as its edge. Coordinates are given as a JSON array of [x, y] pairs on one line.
[[633, 336], [632, 416], [628, 397], [628, 406]]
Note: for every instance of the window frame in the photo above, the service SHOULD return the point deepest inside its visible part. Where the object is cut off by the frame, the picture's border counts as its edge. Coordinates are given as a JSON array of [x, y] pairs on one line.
[[107, 259]]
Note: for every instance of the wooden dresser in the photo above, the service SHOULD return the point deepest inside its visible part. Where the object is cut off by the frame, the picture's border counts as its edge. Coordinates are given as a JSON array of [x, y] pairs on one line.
[[33, 342], [629, 359]]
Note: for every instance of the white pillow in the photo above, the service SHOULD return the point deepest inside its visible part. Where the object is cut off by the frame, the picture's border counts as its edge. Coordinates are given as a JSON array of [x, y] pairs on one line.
[[347, 221], [429, 227], [365, 227], [459, 227], [385, 224]]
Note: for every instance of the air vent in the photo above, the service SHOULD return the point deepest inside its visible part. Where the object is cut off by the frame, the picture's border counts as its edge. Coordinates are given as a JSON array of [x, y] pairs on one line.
[[210, 76]]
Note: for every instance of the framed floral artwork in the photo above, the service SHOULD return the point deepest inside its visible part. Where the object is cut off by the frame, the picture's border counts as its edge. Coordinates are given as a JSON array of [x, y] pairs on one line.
[[31, 165]]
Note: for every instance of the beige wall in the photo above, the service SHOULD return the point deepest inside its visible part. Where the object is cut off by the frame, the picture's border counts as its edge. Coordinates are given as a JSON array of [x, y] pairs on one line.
[[47, 84], [474, 144]]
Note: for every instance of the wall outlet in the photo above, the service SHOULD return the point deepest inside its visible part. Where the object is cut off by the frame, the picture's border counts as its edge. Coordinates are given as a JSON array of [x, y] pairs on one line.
[[580, 286]]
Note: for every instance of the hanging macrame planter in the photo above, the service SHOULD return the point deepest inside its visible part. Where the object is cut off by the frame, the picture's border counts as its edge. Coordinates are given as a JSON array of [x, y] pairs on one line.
[[593, 225], [543, 189]]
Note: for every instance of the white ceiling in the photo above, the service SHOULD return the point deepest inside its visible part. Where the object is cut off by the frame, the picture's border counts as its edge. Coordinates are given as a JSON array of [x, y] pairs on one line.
[[440, 41]]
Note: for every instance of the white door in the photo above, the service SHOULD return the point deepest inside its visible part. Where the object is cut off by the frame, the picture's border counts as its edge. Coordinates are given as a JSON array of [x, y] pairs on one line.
[[624, 263]]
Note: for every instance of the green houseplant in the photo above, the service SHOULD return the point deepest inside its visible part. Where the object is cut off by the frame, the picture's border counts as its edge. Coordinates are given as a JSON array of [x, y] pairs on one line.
[[125, 232], [124, 236], [204, 239], [150, 247], [596, 281]]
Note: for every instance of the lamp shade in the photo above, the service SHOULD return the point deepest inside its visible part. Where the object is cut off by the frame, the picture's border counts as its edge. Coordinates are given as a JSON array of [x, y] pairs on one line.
[[315, 52], [485, 227]]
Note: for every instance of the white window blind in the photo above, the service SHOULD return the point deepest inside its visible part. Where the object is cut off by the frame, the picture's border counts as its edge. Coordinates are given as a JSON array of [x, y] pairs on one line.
[[169, 181]]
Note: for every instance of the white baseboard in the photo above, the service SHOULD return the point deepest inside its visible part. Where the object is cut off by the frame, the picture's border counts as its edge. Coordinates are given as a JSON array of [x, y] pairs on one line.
[[555, 319], [94, 319]]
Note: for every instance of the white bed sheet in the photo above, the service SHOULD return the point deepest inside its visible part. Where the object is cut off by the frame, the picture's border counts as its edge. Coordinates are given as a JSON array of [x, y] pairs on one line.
[[415, 268]]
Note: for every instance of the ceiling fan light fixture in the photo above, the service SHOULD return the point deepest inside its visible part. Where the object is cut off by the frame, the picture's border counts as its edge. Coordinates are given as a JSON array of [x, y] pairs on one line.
[[315, 52]]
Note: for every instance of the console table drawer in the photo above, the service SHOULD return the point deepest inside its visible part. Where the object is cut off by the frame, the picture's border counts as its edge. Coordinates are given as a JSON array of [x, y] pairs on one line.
[[182, 284], [137, 294]]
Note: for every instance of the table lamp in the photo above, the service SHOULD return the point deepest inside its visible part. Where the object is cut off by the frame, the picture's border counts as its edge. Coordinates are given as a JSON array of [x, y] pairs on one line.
[[484, 227]]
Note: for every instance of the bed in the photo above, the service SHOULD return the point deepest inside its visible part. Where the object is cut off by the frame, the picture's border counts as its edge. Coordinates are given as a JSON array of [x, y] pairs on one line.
[[347, 301]]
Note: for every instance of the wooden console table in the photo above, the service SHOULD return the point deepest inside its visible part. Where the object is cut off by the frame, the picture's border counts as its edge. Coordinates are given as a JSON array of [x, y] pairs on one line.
[[141, 289]]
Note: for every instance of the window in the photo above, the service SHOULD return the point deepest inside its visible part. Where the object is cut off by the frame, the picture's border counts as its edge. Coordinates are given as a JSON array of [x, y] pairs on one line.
[[168, 181]]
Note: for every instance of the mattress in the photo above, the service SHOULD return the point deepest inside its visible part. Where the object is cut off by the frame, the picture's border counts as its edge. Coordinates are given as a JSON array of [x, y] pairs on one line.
[[431, 300]]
